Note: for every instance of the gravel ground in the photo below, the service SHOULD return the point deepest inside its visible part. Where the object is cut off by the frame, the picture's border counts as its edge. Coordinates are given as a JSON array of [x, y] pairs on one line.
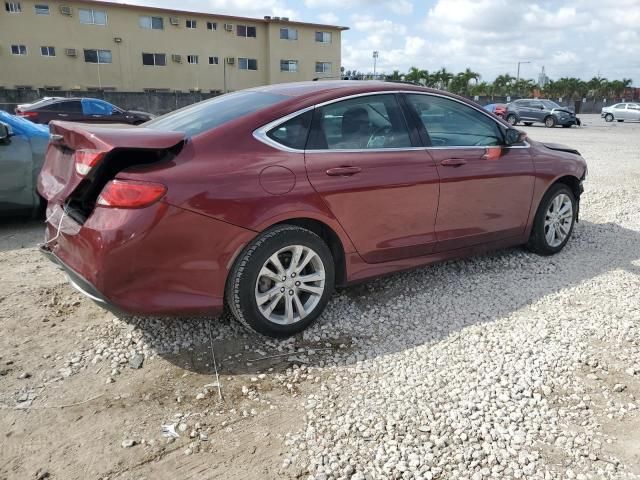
[[503, 366]]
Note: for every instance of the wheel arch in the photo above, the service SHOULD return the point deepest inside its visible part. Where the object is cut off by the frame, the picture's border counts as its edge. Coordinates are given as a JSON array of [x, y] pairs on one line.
[[330, 237], [571, 181]]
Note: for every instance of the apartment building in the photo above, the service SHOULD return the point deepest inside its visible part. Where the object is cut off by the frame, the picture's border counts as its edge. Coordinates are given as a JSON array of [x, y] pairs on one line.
[[90, 45]]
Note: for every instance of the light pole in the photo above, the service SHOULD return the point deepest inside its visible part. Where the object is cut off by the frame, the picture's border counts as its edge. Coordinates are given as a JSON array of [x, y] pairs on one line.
[[375, 59], [518, 74]]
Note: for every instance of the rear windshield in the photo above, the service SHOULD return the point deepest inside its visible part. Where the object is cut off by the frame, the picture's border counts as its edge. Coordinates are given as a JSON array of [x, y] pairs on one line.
[[203, 116]]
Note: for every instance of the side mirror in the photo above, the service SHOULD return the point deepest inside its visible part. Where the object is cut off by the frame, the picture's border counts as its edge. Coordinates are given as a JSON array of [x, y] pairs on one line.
[[514, 136], [5, 132]]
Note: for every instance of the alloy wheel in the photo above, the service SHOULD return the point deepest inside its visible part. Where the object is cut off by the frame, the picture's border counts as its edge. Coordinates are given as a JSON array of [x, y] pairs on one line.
[[290, 284], [558, 220]]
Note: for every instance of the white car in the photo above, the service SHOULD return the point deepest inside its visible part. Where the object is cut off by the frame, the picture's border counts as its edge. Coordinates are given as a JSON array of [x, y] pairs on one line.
[[621, 112]]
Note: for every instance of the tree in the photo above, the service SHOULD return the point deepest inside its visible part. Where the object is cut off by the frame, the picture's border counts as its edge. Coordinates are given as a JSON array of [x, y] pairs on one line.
[[396, 75], [416, 75]]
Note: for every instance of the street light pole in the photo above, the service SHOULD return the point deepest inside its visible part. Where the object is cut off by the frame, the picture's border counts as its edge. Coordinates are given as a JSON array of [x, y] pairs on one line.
[[518, 77], [375, 58], [518, 74]]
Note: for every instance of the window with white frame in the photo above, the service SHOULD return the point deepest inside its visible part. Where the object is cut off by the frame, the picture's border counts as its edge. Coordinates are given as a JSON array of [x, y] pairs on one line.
[[154, 59], [190, 24], [42, 9], [247, 63], [246, 31], [323, 67], [18, 49], [97, 56], [91, 16], [212, 26], [213, 60], [13, 7], [288, 65], [151, 23], [323, 37], [48, 51], [288, 33], [193, 59]]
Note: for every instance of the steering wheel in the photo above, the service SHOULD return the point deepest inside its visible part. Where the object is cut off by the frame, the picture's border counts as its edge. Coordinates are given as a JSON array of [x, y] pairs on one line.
[[383, 132]]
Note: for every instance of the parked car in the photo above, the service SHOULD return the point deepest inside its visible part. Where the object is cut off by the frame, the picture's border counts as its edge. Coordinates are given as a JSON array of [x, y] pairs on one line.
[[24, 106], [621, 112], [498, 109], [22, 149], [532, 110], [267, 198], [86, 110]]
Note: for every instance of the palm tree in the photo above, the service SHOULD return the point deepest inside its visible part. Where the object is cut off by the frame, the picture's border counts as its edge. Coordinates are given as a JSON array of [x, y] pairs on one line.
[[416, 75], [395, 75], [442, 78], [503, 84]]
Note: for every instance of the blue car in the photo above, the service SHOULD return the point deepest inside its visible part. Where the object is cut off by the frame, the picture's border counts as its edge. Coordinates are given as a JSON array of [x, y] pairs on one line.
[[23, 145]]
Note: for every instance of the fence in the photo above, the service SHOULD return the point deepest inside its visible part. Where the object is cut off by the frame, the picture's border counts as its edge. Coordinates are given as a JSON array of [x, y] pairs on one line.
[[163, 102]]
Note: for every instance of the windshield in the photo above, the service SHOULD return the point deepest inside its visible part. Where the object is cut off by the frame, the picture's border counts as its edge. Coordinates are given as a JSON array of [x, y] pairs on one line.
[[209, 114], [550, 104]]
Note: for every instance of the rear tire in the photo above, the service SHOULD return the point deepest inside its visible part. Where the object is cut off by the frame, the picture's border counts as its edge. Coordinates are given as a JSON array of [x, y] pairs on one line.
[[266, 289], [550, 122], [608, 117], [554, 221], [512, 119]]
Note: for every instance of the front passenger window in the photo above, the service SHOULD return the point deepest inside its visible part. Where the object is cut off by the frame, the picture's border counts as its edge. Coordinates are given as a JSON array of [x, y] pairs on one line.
[[453, 124], [361, 123]]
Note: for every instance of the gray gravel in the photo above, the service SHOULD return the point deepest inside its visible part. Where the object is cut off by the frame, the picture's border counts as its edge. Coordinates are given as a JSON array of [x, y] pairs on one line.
[[502, 366]]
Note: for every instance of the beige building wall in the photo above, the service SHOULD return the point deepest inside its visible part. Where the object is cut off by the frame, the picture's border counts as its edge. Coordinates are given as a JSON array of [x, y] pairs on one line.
[[127, 72]]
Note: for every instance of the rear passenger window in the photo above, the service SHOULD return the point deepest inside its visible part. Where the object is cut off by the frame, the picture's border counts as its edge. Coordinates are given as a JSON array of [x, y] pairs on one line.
[[69, 106], [361, 123], [294, 132], [454, 124]]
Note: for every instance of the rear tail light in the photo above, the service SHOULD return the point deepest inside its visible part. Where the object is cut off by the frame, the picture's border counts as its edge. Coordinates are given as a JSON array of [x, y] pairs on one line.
[[28, 115], [87, 159], [130, 194]]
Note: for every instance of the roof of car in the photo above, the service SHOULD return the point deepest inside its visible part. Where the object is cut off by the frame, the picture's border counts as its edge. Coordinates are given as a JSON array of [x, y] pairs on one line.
[[345, 87]]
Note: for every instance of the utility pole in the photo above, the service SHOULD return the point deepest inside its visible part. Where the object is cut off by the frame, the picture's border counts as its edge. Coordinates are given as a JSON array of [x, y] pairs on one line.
[[375, 59], [518, 75]]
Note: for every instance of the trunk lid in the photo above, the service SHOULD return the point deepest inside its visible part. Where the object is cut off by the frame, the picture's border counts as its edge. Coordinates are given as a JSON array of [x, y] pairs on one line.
[[59, 178]]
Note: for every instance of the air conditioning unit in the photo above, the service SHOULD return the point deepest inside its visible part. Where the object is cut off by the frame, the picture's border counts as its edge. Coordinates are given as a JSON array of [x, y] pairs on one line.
[[230, 60], [267, 17], [174, 20], [284, 19], [70, 52], [276, 18], [66, 10], [176, 58], [228, 27]]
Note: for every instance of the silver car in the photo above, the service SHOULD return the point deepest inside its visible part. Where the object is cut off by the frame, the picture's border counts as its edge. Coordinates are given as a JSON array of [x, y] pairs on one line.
[[621, 112]]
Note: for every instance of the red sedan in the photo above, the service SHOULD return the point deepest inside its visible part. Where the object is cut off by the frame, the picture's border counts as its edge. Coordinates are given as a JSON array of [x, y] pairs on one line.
[[265, 199]]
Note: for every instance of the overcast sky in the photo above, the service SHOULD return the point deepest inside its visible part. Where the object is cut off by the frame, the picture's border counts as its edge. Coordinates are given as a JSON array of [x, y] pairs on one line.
[[580, 38]]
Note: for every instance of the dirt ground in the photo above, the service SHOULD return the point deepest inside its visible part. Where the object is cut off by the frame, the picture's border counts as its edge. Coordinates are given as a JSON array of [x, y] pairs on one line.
[[59, 426]]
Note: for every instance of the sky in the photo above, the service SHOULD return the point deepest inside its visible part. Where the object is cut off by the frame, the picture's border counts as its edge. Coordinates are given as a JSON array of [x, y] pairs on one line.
[[576, 38]]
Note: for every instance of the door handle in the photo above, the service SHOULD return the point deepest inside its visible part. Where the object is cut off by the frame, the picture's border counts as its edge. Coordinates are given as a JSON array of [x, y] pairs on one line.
[[343, 171], [453, 162], [63, 114]]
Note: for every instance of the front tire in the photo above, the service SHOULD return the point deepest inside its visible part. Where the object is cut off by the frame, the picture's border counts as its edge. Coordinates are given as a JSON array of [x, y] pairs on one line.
[[550, 121], [282, 281], [608, 117], [554, 221]]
